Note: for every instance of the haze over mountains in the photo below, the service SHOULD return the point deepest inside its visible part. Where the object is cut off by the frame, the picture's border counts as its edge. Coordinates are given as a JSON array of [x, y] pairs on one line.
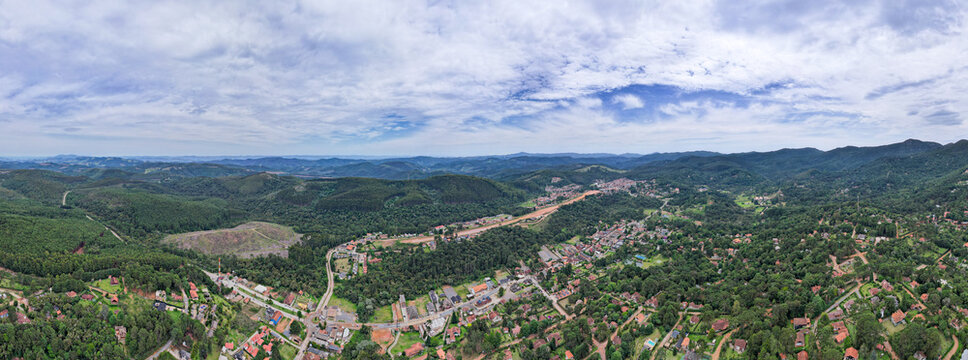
[[768, 164]]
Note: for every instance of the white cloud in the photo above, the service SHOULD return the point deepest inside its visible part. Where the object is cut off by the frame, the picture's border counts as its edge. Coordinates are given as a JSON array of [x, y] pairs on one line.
[[628, 101], [320, 76]]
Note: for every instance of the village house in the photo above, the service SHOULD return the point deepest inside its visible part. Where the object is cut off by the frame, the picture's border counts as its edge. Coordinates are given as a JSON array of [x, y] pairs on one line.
[[720, 325], [739, 346], [851, 354], [897, 317]]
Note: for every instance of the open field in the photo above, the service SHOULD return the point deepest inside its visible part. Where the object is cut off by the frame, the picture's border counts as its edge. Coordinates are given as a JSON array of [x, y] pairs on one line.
[[251, 239], [105, 284], [343, 304], [407, 339], [384, 314]]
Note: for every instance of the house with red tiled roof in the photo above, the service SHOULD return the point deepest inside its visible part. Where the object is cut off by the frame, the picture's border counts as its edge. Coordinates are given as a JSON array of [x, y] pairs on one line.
[[897, 317], [837, 314], [840, 336], [799, 323], [802, 355], [851, 354], [739, 345], [838, 325], [720, 325]]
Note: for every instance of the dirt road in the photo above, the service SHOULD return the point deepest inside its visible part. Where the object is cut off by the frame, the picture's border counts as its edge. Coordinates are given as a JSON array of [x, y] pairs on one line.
[[534, 214], [954, 349], [719, 347]]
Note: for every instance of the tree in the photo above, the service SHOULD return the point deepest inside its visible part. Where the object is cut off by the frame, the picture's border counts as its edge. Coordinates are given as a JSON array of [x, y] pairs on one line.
[[868, 330], [296, 327]]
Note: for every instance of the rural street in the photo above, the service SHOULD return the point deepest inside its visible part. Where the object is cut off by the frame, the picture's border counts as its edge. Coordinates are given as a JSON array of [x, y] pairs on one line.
[[310, 327], [667, 336], [160, 350]]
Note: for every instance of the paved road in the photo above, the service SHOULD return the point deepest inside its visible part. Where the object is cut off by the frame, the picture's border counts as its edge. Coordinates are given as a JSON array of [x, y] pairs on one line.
[[395, 339], [310, 327], [666, 338], [160, 350], [554, 300], [815, 321]]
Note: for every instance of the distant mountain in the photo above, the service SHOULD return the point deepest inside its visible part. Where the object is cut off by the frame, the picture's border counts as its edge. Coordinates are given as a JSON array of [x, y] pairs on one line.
[[419, 167]]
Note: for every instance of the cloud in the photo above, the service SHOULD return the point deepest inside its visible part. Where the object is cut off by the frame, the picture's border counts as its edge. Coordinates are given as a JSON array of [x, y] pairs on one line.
[[628, 101], [475, 77], [943, 117]]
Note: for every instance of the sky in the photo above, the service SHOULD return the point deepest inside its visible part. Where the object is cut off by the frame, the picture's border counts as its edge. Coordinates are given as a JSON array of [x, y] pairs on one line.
[[454, 78]]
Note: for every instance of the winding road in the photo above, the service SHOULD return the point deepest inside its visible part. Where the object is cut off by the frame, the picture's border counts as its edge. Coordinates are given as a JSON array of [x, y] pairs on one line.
[[307, 321]]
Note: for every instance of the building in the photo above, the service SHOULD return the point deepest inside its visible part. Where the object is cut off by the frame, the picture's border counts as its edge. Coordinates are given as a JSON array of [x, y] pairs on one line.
[[799, 323], [897, 317], [739, 346], [835, 315], [720, 325], [478, 289], [851, 354], [800, 339], [802, 355]]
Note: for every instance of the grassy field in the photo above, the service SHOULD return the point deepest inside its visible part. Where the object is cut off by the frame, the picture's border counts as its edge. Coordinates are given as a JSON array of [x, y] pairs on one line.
[[421, 304], [653, 261], [744, 201], [383, 315], [342, 265], [343, 304], [105, 284], [528, 204], [288, 351], [891, 329], [407, 339], [247, 240], [12, 285]]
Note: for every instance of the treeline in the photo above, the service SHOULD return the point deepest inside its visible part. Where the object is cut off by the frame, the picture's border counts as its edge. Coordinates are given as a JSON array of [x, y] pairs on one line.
[[86, 332], [413, 271], [137, 213]]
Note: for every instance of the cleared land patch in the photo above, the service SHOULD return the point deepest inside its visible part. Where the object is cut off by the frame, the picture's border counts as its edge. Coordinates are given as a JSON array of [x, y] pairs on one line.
[[251, 239]]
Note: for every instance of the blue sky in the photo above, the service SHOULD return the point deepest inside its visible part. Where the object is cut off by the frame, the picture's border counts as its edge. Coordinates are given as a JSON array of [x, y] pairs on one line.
[[476, 77]]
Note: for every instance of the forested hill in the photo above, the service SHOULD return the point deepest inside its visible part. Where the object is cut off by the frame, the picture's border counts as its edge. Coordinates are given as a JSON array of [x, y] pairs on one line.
[[140, 207], [420, 167]]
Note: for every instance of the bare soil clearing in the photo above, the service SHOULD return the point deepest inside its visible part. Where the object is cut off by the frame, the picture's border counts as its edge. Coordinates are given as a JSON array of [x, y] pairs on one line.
[[251, 239]]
